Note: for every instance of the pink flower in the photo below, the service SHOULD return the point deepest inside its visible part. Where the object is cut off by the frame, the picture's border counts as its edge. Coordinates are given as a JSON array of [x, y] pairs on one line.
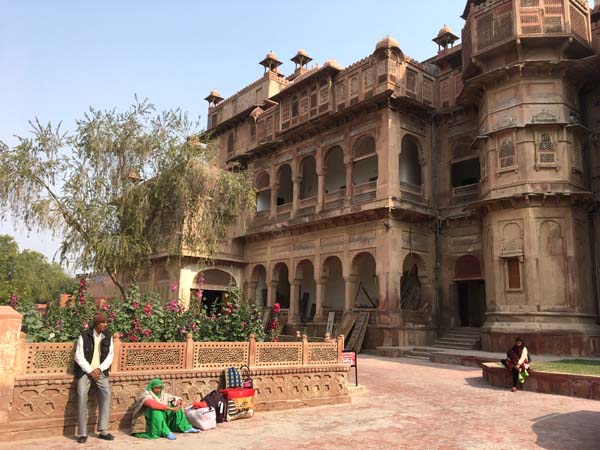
[[136, 304], [81, 300], [58, 324], [199, 295], [275, 339], [81, 282], [146, 332], [183, 330], [133, 337], [276, 308], [273, 325], [14, 301], [148, 309], [244, 325], [86, 325], [173, 287], [212, 317], [113, 316]]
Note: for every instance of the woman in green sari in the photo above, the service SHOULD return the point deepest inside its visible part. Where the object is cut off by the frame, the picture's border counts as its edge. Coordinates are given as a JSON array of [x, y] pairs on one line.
[[158, 414]]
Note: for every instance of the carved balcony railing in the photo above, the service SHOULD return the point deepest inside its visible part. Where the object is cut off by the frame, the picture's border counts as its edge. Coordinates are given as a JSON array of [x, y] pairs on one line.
[[365, 192], [411, 192], [465, 194], [335, 199]]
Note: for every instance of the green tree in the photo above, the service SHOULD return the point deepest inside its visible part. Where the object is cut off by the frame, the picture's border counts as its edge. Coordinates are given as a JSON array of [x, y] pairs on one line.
[[28, 275], [123, 186]]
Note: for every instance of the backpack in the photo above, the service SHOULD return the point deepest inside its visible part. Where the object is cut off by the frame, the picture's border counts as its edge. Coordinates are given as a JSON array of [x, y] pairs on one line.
[[216, 400]]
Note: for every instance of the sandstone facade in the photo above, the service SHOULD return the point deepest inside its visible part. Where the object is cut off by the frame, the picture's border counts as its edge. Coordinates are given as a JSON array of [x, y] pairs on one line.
[[457, 191]]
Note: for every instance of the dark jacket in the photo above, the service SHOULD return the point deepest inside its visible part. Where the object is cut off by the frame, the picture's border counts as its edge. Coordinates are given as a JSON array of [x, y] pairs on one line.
[[88, 349]]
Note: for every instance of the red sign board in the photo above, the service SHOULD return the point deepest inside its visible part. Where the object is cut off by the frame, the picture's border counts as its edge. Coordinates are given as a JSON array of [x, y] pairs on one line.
[[349, 358]]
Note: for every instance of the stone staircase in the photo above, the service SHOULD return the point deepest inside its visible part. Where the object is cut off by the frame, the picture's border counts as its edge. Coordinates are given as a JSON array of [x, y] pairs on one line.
[[460, 339]]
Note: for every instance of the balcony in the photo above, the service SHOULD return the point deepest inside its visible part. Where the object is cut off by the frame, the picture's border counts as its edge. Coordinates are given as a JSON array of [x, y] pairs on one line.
[[465, 194], [307, 206], [411, 192], [365, 192], [335, 199]]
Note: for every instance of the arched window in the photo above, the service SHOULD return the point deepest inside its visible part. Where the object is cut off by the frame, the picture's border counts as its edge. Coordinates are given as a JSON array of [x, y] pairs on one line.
[[263, 194], [410, 168], [308, 185], [285, 187], [365, 160], [335, 170]]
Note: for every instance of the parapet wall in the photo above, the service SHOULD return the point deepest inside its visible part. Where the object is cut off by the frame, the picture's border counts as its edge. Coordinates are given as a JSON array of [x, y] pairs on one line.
[[285, 374]]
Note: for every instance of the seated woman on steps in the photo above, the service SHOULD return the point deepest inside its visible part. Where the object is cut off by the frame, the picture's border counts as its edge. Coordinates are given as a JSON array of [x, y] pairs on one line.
[[158, 414], [517, 362]]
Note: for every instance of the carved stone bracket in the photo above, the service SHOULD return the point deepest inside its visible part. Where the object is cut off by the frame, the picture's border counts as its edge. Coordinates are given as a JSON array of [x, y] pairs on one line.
[[544, 116]]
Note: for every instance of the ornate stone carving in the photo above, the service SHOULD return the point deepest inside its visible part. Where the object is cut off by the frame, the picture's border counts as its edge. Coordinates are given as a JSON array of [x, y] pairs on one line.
[[506, 122], [152, 356], [544, 116], [211, 355]]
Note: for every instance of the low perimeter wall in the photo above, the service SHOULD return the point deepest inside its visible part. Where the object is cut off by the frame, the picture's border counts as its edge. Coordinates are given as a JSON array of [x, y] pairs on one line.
[[42, 396], [582, 386]]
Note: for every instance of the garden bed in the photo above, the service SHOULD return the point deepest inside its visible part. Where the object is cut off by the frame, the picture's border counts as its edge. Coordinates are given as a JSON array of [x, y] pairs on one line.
[[558, 383]]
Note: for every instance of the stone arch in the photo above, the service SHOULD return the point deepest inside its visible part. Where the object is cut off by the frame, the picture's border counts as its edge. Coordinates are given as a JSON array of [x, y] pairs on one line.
[[262, 184], [410, 161], [285, 185], [309, 181], [332, 274], [280, 278], [364, 273], [211, 284], [365, 163], [259, 285], [335, 170], [467, 267], [304, 281]]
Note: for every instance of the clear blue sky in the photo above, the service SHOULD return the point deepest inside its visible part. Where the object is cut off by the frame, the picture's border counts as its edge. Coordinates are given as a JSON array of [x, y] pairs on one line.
[[59, 57]]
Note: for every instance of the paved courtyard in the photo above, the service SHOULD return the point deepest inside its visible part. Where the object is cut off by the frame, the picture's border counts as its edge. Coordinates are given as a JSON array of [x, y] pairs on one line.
[[404, 404]]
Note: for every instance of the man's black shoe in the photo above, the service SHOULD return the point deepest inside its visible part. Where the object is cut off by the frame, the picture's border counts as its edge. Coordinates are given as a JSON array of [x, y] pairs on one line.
[[81, 439], [107, 437]]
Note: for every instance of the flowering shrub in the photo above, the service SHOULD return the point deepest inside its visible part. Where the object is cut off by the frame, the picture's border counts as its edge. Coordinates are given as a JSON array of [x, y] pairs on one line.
[[272, 328], [144, 318]]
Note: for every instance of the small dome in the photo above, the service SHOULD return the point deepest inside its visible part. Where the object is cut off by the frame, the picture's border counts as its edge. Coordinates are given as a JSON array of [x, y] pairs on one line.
[[271, 55], [332, 63], [302, 52], [215, 93], [387, 42], [445, 29]]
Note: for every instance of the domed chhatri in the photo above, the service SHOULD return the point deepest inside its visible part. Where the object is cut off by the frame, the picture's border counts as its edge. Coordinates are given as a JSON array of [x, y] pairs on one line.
[[445, 29], [214, 98], [386, 43], [270, 63]]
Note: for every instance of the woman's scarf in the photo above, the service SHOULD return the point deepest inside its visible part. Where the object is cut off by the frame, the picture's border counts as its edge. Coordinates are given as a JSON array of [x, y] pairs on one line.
[[164, 398]]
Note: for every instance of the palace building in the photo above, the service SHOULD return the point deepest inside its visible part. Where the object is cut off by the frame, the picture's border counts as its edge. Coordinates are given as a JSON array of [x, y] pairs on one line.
[[460, 191]]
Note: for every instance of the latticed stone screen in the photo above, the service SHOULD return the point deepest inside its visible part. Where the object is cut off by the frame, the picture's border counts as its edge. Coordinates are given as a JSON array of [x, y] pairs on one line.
[[49, 358], [494, 26], [220, 355], [579, 23], [278, 354], [322, 353], [152, 356]]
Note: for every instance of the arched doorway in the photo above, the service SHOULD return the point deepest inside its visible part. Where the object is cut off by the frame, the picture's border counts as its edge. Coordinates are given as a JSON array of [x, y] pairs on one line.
[[335, 288], [469, 291], [413, 268], [212, 285], [366, 291], [282, 289], [259, 280], [307, 289]]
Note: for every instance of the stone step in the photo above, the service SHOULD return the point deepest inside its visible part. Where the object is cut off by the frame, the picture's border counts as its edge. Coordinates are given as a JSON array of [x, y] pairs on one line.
[[463, 335], [456, 346], [458, 340], [418, 353], [422, 358]]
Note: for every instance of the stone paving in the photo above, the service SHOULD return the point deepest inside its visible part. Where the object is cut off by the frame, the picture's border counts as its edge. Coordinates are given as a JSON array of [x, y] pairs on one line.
[[404, 404]]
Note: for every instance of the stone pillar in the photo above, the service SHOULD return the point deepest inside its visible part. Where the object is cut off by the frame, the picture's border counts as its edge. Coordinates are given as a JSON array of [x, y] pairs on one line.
[[295, 195], [11, 353], [320, 192], [294, 312], [274, 188], [320, 284], [349, 292], [271, 293], [349, 187]]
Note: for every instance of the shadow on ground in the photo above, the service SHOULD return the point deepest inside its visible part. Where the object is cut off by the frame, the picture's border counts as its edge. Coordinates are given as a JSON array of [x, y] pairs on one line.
[[576, 430]]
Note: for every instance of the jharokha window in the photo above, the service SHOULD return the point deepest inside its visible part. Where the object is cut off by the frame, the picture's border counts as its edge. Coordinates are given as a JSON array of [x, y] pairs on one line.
[[506, 155], [546, 151]]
